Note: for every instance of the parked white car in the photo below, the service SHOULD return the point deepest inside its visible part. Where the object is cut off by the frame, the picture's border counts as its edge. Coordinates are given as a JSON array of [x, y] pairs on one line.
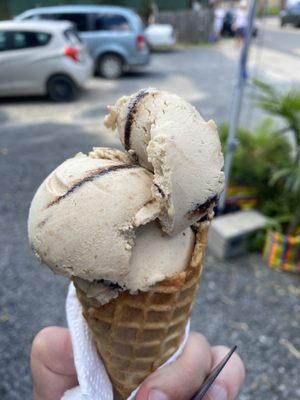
[[42, 58], [160, 35]]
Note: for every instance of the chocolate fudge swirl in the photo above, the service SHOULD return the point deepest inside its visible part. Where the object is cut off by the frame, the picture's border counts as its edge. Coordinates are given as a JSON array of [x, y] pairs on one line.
[[132, 109]]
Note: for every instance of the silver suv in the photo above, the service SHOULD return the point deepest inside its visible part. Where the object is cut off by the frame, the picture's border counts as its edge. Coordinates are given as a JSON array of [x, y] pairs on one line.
[[114, 35]]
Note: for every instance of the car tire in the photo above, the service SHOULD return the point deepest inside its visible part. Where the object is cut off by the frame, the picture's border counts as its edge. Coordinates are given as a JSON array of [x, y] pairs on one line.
[[110, 66], [61, 88]]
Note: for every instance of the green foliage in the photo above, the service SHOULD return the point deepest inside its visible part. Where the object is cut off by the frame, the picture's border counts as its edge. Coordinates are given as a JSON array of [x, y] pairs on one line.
[[262, 12], [264, 159], [258, 156], [287, 107], [257, 240], [284, 105], [273, 10]]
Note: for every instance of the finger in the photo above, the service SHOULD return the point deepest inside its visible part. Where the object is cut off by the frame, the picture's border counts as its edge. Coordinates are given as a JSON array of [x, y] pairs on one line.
[[52, 364], [181, 379], [229, 382]]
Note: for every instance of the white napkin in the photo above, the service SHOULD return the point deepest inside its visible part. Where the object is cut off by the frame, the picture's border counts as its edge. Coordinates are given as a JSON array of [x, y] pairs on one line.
[[94, 383]]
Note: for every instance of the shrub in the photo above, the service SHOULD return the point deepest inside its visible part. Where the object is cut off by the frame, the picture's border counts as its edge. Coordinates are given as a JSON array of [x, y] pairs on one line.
[[259, 154]]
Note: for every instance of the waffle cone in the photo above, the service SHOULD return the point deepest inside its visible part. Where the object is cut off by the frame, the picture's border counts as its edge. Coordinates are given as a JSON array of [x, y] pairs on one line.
[[136, 333]]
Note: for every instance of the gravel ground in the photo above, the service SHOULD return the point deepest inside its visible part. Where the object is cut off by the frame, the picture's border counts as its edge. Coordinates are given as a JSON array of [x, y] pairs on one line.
[[240, 302], [243, 302]]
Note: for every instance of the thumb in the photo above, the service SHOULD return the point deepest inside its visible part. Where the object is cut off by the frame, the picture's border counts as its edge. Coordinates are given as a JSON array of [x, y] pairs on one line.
[[52, 363], [229, 382], [181, 379]]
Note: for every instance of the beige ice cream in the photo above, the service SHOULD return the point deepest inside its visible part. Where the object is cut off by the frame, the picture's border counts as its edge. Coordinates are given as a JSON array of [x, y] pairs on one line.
[[116, 220], [154, 257], [86, 221], [119, 225], [169, 137]]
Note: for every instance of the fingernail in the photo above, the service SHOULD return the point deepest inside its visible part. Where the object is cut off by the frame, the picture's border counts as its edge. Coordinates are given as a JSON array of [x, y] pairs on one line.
[[156, 394], [217, 392]]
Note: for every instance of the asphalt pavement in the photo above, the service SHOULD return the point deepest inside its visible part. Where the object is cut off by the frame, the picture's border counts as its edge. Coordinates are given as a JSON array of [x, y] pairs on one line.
[[284, 39], [240, 302]]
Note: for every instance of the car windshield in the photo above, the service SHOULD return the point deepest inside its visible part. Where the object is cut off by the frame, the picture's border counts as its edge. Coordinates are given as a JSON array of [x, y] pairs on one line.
[[80, 20]]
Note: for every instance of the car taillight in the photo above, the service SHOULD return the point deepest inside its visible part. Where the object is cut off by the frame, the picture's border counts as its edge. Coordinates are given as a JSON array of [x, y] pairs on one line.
[[140, 42], [72, 53]]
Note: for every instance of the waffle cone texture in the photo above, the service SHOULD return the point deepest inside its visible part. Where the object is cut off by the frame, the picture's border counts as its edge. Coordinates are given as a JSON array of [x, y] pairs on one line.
[[136, 333]]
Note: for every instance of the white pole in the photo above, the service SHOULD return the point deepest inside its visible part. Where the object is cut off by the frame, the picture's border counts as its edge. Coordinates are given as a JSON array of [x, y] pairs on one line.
[[237, 99]]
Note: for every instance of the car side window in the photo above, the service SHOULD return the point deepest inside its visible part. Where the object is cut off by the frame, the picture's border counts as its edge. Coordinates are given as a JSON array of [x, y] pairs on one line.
[[19, 40], [30, 17], [111, 22], [46, 16], [79, 20], [4, 41], [24, 40], [43, 38]]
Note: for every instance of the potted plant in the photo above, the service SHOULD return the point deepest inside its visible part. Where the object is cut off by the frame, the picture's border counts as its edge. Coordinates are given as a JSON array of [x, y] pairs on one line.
[[282, 249]]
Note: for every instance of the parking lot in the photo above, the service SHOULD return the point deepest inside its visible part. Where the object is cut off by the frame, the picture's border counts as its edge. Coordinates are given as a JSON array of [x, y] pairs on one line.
[[180, 71], [236, 299]]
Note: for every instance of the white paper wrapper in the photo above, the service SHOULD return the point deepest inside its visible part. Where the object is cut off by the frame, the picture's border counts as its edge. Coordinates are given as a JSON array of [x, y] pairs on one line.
[[94, 383]]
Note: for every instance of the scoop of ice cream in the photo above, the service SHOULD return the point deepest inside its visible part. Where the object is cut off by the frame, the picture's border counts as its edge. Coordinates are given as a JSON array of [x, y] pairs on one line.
[[154, 257], [159, 255], [169, 137], [82, 223]]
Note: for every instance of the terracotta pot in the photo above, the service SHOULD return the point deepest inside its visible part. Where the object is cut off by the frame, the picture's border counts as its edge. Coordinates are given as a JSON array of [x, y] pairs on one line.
[[282, 252]]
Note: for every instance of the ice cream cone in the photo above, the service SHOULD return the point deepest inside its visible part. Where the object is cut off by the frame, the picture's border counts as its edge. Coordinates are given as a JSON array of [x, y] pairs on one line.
[[136, 333]]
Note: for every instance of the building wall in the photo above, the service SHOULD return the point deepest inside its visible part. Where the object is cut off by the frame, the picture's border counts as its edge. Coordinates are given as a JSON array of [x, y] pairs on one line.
[[190, 26]]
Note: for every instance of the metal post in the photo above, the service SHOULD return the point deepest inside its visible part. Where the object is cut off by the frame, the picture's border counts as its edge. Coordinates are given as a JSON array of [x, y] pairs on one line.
[[237, 101]]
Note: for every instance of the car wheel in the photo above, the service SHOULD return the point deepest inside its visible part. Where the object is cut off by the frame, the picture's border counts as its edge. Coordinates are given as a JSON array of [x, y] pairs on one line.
[[110, 66], [61, 88]]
